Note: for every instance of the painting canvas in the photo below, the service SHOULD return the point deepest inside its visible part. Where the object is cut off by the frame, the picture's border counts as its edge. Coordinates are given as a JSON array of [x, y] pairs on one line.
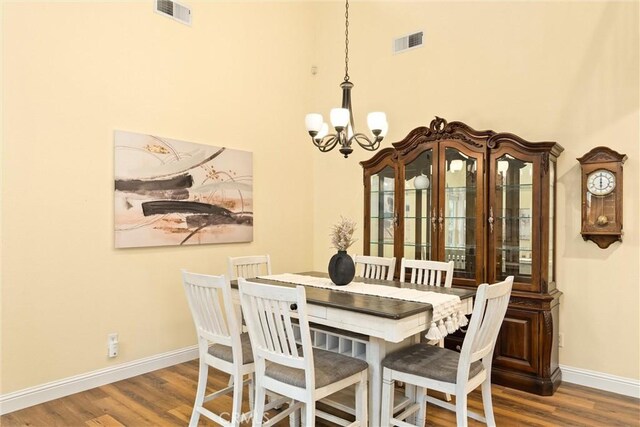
[[171, 192]]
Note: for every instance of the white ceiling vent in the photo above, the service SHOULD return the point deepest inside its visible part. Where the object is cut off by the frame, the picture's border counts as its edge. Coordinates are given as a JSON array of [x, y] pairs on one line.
[[409, 42], [174, 10]]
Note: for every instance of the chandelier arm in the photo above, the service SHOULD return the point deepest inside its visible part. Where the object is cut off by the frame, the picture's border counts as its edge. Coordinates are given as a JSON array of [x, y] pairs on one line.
[[327, 143], [367, 144]]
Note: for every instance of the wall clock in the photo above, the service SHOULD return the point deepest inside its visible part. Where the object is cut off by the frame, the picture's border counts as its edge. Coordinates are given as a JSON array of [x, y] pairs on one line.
[[602, 196]]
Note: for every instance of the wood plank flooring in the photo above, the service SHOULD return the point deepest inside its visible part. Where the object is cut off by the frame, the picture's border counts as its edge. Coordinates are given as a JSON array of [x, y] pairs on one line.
[[165, 398]]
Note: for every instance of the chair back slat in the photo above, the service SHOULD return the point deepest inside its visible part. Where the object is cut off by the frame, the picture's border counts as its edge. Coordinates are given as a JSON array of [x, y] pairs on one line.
[[290, 336], [268, 314], [249, 266], [209, 299], [425, 272], [373, 267], [488, 313]]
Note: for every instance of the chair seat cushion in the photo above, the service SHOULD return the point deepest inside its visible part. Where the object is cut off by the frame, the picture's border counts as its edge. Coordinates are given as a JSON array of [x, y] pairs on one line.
[[224, 352], [429, 361], [329, 367]]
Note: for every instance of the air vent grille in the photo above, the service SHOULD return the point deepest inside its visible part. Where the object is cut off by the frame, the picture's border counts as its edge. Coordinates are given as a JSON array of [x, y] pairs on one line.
[[174, 10], [405, 43]]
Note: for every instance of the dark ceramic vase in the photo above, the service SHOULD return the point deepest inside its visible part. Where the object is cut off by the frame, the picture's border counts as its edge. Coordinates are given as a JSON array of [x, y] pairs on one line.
[[341, 268]]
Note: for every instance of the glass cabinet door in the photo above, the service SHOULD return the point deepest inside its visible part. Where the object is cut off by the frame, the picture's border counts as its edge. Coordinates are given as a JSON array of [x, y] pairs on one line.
[[419, 203], [382, 213], [511, 218], [459, 224]]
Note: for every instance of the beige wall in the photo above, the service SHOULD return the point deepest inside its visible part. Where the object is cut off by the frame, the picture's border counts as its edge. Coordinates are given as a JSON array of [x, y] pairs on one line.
[[562, 71], [74, 72]]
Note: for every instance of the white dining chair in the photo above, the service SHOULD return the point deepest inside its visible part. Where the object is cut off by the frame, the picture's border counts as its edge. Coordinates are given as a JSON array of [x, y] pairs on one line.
[[426, 272], [294, 368], [374, 267], [220, 346], [220, 343], [430, 367], [431, 273], [249, 266]]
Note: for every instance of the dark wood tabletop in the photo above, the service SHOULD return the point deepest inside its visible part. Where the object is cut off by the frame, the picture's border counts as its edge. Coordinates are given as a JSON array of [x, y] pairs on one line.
[[390, 308]]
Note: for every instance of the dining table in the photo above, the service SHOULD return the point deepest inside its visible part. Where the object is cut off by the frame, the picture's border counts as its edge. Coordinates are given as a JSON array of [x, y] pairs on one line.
[[382, 324]]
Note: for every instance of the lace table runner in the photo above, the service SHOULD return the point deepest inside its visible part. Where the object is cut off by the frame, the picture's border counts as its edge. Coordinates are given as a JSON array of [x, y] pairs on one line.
[[447, 314]]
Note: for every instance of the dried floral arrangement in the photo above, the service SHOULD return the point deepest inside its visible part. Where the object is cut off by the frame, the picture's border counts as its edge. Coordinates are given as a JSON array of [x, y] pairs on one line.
[[342, 234]]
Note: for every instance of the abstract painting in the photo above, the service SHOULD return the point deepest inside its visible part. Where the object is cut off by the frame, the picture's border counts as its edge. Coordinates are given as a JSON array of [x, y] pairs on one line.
[[170, 192]]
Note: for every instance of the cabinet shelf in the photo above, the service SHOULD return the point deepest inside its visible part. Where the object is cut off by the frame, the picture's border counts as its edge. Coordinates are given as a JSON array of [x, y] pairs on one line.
[[471, 218], [413, 190], [511, 217], [461, 189], [460, 247], [512, 186], [512, 248]]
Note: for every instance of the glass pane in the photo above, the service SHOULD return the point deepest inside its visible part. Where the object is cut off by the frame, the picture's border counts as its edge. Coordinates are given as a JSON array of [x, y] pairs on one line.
[[460, 212], [552, 224], [382, 212], [601, 210], [418, 203], [512, 216]]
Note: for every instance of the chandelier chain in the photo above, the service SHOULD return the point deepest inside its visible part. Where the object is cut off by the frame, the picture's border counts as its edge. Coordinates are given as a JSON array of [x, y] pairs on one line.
[[346, 42]]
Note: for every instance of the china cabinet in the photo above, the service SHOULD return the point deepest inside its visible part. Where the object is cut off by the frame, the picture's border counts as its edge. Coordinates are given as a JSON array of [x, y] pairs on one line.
[[485, 201]]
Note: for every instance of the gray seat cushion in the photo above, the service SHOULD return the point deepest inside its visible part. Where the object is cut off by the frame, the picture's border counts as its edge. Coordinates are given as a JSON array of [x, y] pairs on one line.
[[224, 352], [329, 368], [429, 361]]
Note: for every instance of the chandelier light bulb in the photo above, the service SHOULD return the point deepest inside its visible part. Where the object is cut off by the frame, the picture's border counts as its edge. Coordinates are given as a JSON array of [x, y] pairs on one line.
[[324, 130], [339, 117], [376, 121], [313, 122]]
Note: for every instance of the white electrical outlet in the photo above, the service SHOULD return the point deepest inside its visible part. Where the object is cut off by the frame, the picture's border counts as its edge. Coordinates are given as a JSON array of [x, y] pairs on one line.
[[560, 339], [113, 345]]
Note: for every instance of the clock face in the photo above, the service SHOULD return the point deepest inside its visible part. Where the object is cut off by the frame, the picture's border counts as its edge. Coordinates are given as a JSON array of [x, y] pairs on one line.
[[601, 182]]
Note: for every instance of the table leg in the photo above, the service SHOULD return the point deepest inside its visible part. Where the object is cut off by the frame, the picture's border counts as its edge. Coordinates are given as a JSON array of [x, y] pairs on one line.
[[375, 353], [410, 391]]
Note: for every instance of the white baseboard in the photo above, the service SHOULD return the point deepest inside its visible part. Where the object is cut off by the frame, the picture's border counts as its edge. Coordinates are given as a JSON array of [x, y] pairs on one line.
[[601, 381], [54, 390]]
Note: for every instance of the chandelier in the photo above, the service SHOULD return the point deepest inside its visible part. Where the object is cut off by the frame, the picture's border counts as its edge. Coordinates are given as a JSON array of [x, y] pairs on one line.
[[342, 118]]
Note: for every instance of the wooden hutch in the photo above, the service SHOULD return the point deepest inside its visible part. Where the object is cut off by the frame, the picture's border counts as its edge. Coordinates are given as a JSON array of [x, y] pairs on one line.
[[485, 201]]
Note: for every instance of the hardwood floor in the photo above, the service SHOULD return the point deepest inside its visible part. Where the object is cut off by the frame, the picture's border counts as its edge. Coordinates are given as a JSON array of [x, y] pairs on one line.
[[165, 398]]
